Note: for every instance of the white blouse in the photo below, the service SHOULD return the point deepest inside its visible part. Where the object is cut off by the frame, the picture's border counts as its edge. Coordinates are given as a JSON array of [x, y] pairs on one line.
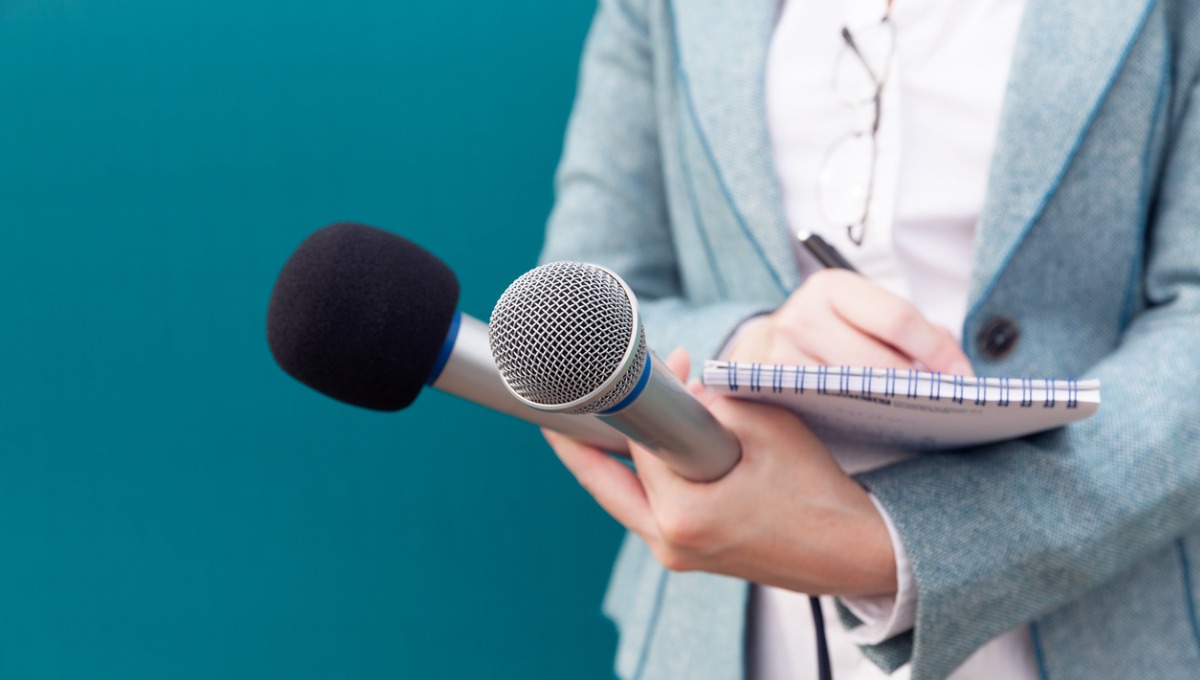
[[938, 124]]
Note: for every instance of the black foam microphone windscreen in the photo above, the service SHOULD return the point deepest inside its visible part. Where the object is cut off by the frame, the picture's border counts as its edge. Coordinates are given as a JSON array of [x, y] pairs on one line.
[[361, 314]]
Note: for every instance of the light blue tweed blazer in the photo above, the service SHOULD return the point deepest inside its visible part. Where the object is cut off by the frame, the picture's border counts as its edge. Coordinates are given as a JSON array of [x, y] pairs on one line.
[[1089, 240]]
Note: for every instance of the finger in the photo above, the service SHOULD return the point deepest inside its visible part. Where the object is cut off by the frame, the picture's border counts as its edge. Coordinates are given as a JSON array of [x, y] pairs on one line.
[[663, 485], [894, 321], [679, 362], [966, 368], [614, 486], [696, 388]]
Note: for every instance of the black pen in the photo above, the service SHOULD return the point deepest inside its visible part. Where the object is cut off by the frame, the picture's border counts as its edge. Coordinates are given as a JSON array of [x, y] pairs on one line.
[[826, 254]]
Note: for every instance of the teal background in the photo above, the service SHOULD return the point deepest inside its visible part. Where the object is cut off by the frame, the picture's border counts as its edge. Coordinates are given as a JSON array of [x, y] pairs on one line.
[[171, 504]]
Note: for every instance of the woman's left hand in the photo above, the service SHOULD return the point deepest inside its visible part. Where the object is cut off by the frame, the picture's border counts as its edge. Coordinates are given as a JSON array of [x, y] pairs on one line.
[[786, 515]]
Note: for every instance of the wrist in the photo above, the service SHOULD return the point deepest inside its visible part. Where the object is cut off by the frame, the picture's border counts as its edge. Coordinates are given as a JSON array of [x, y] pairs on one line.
[[871, 568]]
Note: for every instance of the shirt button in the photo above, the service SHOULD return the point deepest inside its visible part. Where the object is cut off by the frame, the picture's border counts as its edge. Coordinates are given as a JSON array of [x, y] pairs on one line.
[[997, 338]]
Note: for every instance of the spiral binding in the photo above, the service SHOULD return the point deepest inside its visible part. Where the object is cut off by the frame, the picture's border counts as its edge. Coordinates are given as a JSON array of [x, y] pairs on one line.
[[888, 382]]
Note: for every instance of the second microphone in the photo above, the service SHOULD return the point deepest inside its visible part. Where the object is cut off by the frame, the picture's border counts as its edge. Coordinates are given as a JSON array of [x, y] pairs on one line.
[[567, 338]]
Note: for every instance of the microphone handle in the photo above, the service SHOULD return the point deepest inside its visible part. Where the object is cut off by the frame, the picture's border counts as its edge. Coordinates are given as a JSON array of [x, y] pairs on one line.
[[672, 423], [470, 373]]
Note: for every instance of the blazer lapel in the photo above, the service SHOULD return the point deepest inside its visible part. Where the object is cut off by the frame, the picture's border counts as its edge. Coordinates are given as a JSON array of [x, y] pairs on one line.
[[1068, 54], [721, 57]]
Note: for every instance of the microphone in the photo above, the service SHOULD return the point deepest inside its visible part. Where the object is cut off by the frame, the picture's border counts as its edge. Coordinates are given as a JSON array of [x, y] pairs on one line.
[[370, 318], [567, 338]]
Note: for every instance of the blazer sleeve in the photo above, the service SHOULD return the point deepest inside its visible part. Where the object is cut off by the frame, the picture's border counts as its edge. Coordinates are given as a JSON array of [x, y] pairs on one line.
[[1002, 535], [611, 205]]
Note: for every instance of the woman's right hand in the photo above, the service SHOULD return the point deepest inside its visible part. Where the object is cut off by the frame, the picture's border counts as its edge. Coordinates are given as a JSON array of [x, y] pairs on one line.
[[837, 317]]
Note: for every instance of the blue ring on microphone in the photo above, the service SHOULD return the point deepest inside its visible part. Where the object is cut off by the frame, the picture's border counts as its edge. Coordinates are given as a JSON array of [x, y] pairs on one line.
[[637, 389], [447, 348]]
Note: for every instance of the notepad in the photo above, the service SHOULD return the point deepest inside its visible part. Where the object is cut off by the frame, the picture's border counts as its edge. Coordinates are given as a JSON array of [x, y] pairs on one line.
[[908, 408]]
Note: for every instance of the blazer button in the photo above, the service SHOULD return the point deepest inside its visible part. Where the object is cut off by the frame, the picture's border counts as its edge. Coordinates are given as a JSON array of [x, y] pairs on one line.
[[997, 338]]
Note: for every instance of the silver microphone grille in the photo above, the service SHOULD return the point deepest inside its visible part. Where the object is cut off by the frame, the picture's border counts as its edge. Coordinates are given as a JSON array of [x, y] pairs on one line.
[[565, 330]]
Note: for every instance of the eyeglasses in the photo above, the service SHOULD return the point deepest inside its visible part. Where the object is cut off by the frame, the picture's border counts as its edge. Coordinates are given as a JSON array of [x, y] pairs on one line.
[[847, 178]]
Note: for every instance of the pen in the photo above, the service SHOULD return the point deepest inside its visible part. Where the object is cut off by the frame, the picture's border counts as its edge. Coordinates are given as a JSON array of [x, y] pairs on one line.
[[826, 254]]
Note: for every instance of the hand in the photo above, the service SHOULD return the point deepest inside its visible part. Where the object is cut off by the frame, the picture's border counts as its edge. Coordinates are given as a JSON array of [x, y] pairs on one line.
[[839, 318], [786, 515]]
